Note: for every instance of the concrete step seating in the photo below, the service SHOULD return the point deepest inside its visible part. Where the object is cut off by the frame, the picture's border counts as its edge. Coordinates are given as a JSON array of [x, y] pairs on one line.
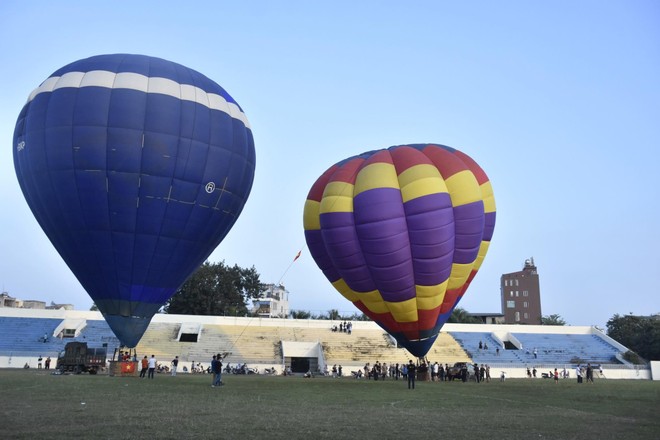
[[470, 343], [566, 349], [26, 335]]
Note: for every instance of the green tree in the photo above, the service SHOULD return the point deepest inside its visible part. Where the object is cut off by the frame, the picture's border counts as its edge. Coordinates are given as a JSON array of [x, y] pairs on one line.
[[641, 334], [552, 320], [301, 314], [333, 314], [462, 316], [216, 289], [358, 317]]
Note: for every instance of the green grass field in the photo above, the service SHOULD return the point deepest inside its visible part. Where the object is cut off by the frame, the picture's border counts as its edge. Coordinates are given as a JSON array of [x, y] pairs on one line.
[[38, 405]]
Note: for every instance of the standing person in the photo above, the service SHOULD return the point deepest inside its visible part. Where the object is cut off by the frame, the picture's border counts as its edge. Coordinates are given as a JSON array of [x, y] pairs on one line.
[[590, 374], [48, 363], [152, 367], [145, 367], [556, 376], [214, 372], [578, 373], [412, 373], [219, 359], [465, 375], [175, 363], [39, 361]]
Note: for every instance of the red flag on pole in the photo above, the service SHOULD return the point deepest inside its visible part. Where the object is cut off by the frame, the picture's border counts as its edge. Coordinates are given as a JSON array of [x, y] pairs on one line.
[[297, 256]]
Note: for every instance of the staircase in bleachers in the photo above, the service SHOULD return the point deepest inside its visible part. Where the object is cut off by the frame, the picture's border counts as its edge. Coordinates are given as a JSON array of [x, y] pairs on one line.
[[488, 354], [160, 340], [447, 350], [98, 333]]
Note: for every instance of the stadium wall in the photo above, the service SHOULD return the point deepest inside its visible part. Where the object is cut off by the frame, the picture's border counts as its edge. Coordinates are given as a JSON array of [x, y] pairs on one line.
[[655, 370]]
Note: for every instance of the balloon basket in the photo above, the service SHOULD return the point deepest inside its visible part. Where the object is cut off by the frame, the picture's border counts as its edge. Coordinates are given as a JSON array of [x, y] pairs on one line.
[[123, 368]]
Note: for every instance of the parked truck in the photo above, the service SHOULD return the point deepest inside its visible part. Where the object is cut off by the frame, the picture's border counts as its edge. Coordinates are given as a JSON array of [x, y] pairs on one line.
[[78, 358]]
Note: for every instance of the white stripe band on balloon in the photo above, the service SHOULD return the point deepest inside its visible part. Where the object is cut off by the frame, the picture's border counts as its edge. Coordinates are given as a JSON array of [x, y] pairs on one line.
[[134, 81]]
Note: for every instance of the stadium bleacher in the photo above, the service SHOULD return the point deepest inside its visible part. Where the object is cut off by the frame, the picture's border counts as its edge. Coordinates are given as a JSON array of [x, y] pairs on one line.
[[35, 337], [26, 335], [566, 349], [551, 349], [258, 342], [490, 355]]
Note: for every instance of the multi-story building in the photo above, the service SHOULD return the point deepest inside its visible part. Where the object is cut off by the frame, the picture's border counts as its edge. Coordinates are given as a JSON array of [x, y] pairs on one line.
[[273, 302], [521, 295], [8, 301]]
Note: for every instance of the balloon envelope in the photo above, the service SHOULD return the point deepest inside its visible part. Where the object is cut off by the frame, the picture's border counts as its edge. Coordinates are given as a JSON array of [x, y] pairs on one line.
[[401, 233], [136, 168]]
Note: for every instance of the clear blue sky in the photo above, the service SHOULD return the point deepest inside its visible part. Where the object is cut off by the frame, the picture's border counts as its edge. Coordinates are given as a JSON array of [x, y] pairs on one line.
[[558, 101]]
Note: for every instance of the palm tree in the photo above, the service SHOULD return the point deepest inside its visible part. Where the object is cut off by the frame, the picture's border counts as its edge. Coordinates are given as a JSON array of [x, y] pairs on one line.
[[333, 315], [462, 316], [300, 314]]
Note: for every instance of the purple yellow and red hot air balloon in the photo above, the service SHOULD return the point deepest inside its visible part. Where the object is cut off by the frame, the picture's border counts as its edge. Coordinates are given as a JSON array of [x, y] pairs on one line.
[[401, 232]]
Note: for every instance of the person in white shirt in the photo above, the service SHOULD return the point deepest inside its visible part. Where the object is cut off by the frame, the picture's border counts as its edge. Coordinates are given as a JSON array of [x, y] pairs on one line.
[[152, 367]]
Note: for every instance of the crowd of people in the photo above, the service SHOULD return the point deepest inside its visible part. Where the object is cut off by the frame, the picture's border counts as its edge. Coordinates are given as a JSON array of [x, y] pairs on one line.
[[587, 373], [149, 366], [345, 327], [582, 373], [424, 370]]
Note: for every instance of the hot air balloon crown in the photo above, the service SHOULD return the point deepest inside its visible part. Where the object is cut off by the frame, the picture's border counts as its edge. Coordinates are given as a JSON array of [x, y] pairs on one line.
[[401, 232], [136, 168]]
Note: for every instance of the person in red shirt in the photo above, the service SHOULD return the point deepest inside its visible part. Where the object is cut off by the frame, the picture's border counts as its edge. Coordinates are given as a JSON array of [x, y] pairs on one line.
[[145, 366]]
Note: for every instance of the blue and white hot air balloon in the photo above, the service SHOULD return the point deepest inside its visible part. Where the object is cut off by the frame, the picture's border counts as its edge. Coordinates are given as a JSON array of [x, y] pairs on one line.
[[136, 168]]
